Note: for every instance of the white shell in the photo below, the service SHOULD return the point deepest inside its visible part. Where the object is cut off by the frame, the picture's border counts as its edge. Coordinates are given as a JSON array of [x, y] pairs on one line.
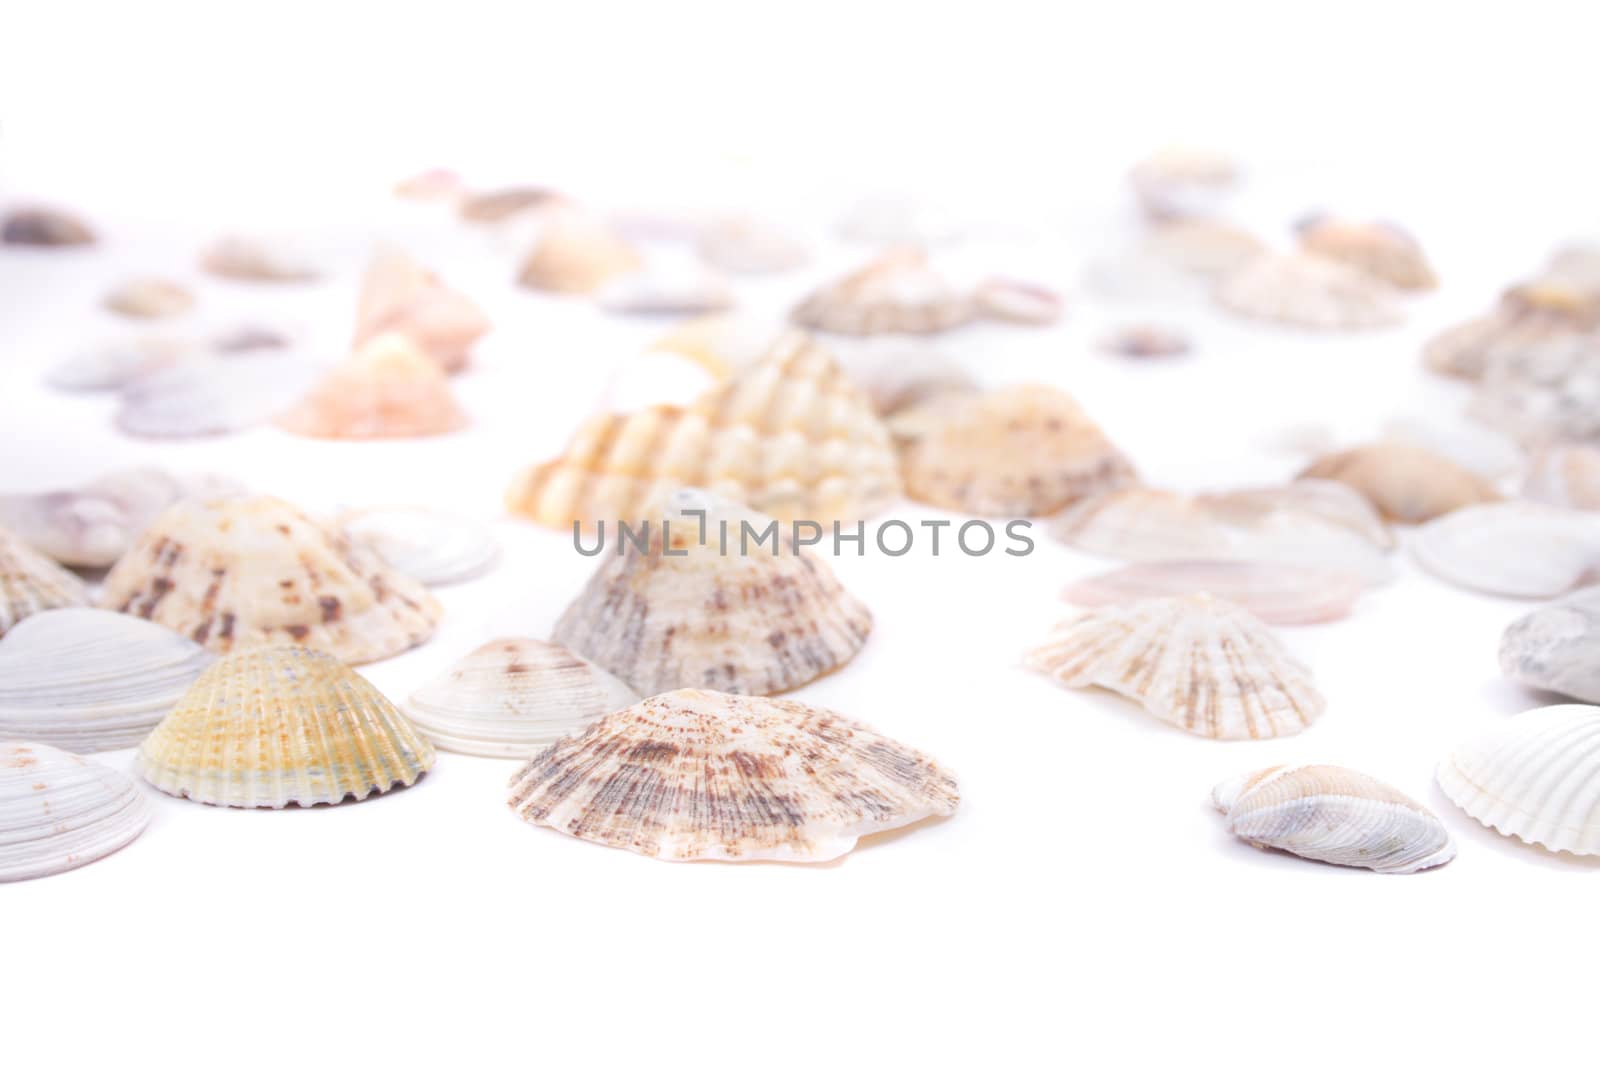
[[1310, 292], [1512, 549], [1554, 647], [59, 811], [212, 396], [433, 547], [31, 582], [113, 364], [1565, 475], [149, 298], [1471, 444], [1278, 593]]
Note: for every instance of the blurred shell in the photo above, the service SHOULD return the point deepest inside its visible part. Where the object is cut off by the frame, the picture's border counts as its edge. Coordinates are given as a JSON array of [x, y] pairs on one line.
[[1473, 445], [398, 294], [1308, 291], [59, 811], [270, 727], [1512, 549], [1026, 450], [718, 609], [435, 183], [1022, 303], [87, 680], [1278, 593], [206, 397], [388, 388], [577, 254], [113, 364], [1202, 664], [1334, 815], [1545, 394], [1206, 248], [31, 582], [431, 546], [499, 205], [1380, 249], [1553, 647], [898, 381], [257, 259], [699, 775], [44, 228], [1147, 340], [1178, 182], [1531, 318], [745, 246], [895, 293], [149, 298], [253, 571], [1536, 778], [514, 696], [665, 290], [1565, 475], [1405, 483]]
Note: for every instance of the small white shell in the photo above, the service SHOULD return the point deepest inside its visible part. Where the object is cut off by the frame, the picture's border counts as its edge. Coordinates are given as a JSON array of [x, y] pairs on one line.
[[1308, 291], [1511, 549], [1279, 593], [113, 364], [430, 546], [1553, 647], [1565, 475], [59, 811]]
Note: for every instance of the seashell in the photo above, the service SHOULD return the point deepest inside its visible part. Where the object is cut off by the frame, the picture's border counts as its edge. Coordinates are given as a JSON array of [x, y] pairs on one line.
[[31, 582], [896, 293], [1178, 182], [720, 344], [1536, 778], [44, 228], [1022, 303], [577, 254], [1511, 549], [514, 696], [430, 546], [252, 571], [658, 290], [269, 727], [149, 298], [87, 680], [1144, 340], [1553, 647], [1473, 445], [1404, 482], [388, 388], [899, 381], [701, 775], [702, 604], [1379, 249], [398, 294], [790, 436], [1204, 248], [435, 183], [248, 339], [1283, 594], [1334, 815], [114, 364], [256, 259], [1308, 291], [200, 398], [1202, 664], [1545, 394], [745, 246], [59, 811], [1565, 475], [498, 205], [1025, 450], [1529, 318]]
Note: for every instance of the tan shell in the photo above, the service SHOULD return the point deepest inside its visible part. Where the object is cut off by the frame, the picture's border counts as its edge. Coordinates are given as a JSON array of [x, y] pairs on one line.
[[1178, 182], [577, 254], [1026, 450], [1308, 291], [149, 298], [44, 228], [1145, 340], [253, 259], [252, 571], [269, 727], [1565, 475], [896, 293], [1404, 482], [32, 582], [498, 205], [1531, 317], [388, 388], [1380, 249], [398, 294], [698, 775], [790, 436]]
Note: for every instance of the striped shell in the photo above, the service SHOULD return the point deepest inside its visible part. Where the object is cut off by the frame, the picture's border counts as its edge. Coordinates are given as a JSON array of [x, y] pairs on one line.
[[1308, 291], [1283, 594], [399, 295], [388, 388], [897, 293], [31, 582], [1404, 482], [59, 811]]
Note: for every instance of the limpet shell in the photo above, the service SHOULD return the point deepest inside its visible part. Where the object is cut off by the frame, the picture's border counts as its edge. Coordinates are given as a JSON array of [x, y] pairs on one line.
[[399, 295], [899, 292], [1511, 549], [1380, 249], [431, 546], [44, 228], [1283, 594], [1553, 647], [31, 582], [149, 298], [1308, 291], [59, 811], [1405, 483], [388, 388]]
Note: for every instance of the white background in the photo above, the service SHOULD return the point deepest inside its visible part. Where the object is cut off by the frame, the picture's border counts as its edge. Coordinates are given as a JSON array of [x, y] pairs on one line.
[[1085, 904]]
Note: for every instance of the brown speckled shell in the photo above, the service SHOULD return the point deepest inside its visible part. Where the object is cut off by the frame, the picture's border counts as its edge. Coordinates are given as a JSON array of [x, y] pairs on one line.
[[1405, 483], [31, 582]]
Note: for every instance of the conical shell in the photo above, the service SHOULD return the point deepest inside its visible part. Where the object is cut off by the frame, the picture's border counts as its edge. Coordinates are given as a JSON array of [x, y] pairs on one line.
[[718, 609], [514, 696], [1405, 483], [1026, 450], [897, 293], [1178, 182], [1553, 647], [1283, 594], [149, 298], [1202, 664], [430, 546], [59, 811], [257, 259], [207, 396], [388, 388], [1308, 291], [1334, 815], [1512, 549], [1530, 318], [44, 228], [270, 727], [254, 571], [1380, 249], [577, 254], [1566, 476], [1536, 777], [700, 775], [31, 582], [791, 436], [398, 294]]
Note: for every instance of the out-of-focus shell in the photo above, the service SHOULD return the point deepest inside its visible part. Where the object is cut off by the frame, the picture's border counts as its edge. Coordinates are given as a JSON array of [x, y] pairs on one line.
[[205, 397], [498, 205], [1565, 475], [431, 546], [1553, 647], [1545, 394], [577, 254], [663, 289], [1334, 815], [514, 696], [87, 680], [1283, 594], [1178, 182], [1380, 249], [896, 218], [1538, 317], [258, 259], [113, 364], [698, 775], [1143, 340], [435, 183], [44, 228], [1206, 248], [31, 582], [1308, 291], [1405, 483], [1026, 450], [1536, 778], [1479, 448], [59, 811], [1202, 664], [746, 246], [899, 292], [253, 571], [388, 388], [1022, 303], [149, 298], [1512, 549], [399, 295], [269, 727]]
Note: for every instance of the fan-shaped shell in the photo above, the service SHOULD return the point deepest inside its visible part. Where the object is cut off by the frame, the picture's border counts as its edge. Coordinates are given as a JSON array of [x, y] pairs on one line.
[[399, 295], [1283, 594], [577, 254], [202, 397], [1308, 291], [1202, 664], [59, 811], [1566, 476], [1335, 815], [698, 775], [269, 727], [253, 571], [1178, 182], [1513, 549], [258, 259], [897, 293], [430, 546], [31, 582], [1531, 318], [44, 228], [388, 388], [1553, 647], [1404, 482], [1380, 249]]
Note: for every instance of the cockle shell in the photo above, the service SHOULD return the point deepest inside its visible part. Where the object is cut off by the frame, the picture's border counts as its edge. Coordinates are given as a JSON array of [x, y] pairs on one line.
[[1564, 475], [388, 388], [269, 727], [199, 398], [44, 228], [1022, 303], [1512, 549], [149, 298], [899, 292], [1026, 450], [1536, 778], [258, 259], [707, 605], [253, 571], [577, 254], [1404, 482], [87, 680], [1283, 594], [1308, 291], [31, 582], [1553, 647], [398, 294], [1380, 249], [1178, 182], [1334, 815], [1147, 340], [1537, 317], [1202, 664], [431, 546], [514, 696], [665, 289], [746, 246], [701, 775], [59, 811]]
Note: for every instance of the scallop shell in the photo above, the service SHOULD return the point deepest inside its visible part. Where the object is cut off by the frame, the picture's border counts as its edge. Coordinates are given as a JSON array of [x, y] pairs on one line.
[[1146, 340], [1536, 778], [254, 571], [701, 775], [398, 294], [896, 293], [1177, 182], [430, 546], [1202, 664], [789, 435], [44, 228], [1405, 483], [705, 604], [88, 680], [59, 811], [269, 727], [1553, 647], [205, 397], [745, 246], [1565, 475], [665, 290], [1283, 594], [1535, 318], [1379, 249], [149, 298], [577, 254], [1308, 291], [257, 259], [388, 388], [1022, 303], [1512, 549], [514, 696], [1334, 815], [31, 582], [1026, 450]]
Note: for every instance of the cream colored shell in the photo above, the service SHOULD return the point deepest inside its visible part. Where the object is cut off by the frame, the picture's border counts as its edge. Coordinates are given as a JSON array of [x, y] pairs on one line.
[[1404, 482], [388, 388], [897, 293], [149, 298], [1308, 291], [31, 582], [1380, 249], [59, 811], [1540, 316], [577, 253], [1565, 475], [1511, 549]]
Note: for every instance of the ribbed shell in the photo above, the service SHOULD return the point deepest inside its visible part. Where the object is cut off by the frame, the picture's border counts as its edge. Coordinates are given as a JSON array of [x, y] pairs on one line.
[[1308, 291], [1380, 249], [699, 775], [1334, 815], [512, 697], [1565, 475], [254, 571], [577, 254], [1512, 549], [1277, 593], [1536, 777], [277, 726], [31, 582], [388, 388], [1553, 647], [896, 293], [432, 547], [59, 811], [1404, 482], [1202, 664], [398, 294]]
